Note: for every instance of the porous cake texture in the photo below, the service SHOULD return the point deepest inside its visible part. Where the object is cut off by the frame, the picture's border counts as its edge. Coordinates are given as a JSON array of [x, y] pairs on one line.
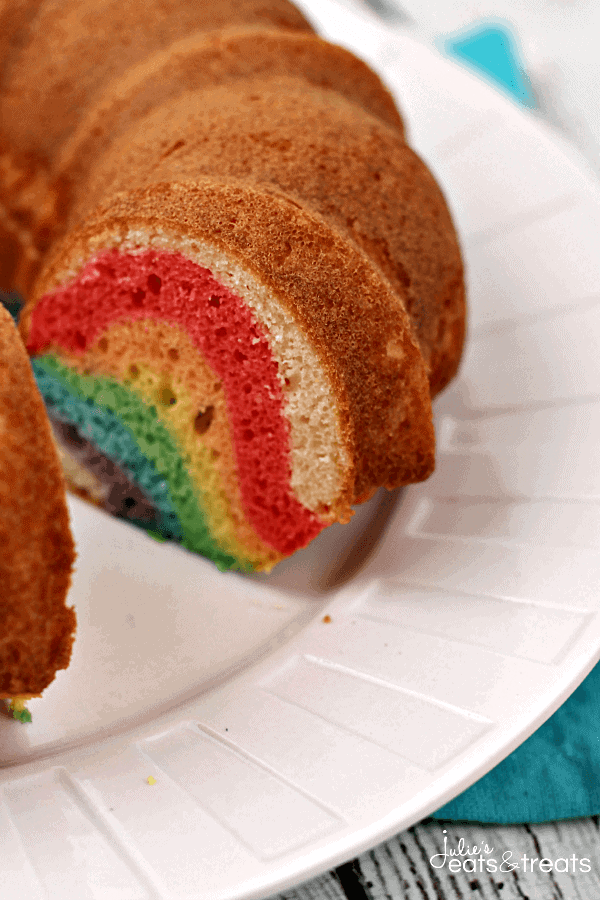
[[247, 288], [183, 365]]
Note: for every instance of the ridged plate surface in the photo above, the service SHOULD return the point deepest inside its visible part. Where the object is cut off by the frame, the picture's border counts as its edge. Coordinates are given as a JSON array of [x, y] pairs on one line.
[[287, 723]]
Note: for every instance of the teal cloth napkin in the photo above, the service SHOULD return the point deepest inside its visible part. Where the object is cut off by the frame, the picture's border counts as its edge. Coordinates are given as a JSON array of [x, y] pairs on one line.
[[492, 50], [554, 775]]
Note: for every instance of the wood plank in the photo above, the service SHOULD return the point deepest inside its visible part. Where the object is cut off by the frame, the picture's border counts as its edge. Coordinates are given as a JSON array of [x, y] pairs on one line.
[[412, 866]]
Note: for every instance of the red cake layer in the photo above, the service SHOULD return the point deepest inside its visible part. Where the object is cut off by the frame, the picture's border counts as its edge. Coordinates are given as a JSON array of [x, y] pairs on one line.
[[166, 286]]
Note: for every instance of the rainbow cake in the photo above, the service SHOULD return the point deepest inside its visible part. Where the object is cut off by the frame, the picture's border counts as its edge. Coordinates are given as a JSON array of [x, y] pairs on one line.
[[247, 293]]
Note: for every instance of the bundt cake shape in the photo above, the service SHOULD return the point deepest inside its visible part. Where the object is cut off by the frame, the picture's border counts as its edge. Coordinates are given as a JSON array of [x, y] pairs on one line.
[[251, 286], [265, 336], [37, 551]]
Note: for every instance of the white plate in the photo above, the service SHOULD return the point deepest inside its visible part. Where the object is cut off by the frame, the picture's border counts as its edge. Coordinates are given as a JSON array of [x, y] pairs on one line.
[[283, 744]]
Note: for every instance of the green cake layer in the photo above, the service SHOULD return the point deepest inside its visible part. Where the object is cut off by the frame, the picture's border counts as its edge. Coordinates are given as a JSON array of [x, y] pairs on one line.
[[128, 431]]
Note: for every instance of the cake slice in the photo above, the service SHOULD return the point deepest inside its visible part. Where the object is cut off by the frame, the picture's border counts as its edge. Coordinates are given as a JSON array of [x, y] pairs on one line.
[[249, 353], [36, 547]]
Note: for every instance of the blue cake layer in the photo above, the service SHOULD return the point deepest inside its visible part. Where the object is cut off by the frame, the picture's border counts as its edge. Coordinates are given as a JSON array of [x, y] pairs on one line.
[[128, 431]]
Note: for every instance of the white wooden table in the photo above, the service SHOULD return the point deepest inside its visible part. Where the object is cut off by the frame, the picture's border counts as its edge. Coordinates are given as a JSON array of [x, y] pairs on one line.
[[400, 869]]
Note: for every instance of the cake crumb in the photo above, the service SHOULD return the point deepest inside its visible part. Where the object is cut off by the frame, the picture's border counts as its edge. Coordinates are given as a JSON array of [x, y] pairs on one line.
[[151, 779], [326, 619], [18, 709]]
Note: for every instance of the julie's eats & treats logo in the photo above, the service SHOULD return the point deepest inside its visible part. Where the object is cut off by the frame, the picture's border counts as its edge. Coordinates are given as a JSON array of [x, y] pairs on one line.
[[481, 858]]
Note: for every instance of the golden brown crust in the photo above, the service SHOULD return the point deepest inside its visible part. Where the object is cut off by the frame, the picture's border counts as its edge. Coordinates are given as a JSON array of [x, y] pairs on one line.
[[36, 628], [62, 53], [10, 251], [330, 156], [201, 61], [77, 46], [338, 297], [16, 17]]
